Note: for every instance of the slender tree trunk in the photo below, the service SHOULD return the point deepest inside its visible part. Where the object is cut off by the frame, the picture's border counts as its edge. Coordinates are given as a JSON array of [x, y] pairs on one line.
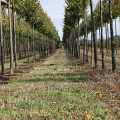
[[102, 47], [14, 38], [11, 42], [116, 35], [100, 39], [42, 45], [48, 46], [33, 44], [28, 45], [78, 39], [39, 46], [112, 39], [106, 37], [86, 45], [92, 49], [4, 39], [75, 53], [94, 37], [20, 46], [2, 48], [84, 3]]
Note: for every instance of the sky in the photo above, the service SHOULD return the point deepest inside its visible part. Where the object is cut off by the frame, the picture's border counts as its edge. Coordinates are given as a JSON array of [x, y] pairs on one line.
[[55, 10]]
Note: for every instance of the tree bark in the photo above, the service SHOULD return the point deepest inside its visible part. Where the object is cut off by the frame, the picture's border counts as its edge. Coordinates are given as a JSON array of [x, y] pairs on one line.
[[2, 48], [4, 39], [116, 36], [78, 39], [14, 39], [94, 37], [92, 49], [11, 42], [20, 46], [33, 44], [106, 37], [102, 45], [112, 39], [28, 45], [39, 46], [84, 3]]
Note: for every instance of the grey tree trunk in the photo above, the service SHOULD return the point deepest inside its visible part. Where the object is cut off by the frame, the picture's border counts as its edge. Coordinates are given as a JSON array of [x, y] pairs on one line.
[[33, 44], [106, 37], [92, 49], [20, 46], [39, 46], [28, 45], [102, 45], [4, 39], [78, 40], [2, 48], [84, 3], [94, 37], [112, 39], [11, 42], [86, 45], [116, 36], [14, 39]]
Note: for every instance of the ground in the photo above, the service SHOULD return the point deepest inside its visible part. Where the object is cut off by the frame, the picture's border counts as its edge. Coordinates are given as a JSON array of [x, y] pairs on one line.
[[56, 89]]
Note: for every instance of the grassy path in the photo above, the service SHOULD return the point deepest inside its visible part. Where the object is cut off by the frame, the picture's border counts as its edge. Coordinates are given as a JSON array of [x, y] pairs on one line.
[[54, 90]]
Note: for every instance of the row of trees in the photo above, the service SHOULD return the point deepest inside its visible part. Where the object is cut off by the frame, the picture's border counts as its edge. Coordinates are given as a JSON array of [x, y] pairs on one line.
[[25, 30], [102, 15]]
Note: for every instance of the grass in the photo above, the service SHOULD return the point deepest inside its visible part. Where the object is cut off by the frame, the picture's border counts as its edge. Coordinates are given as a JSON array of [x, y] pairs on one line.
[[54, 90]]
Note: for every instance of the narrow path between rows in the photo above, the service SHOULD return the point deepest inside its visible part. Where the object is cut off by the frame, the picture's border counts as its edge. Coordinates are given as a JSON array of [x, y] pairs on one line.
[[54, 90]]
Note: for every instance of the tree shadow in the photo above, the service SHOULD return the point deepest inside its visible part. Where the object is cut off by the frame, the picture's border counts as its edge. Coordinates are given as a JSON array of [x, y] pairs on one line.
[[60, 77]]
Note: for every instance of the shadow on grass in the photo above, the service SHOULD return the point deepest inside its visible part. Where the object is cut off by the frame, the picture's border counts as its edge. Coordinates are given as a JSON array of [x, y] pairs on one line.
[[60, 77]]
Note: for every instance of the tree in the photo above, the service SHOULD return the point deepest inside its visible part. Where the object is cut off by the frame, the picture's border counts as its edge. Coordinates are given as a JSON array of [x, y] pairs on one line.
[[14, 35], [112, 39], [94, 36], [11, 42], [2, 50], [102, 46]]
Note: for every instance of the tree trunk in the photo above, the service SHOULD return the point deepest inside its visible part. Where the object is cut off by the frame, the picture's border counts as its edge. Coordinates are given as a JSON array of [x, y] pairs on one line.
[[39, 46], [11, 42], [84, 3], [102, 45], [75, 53], [112, 39], [92, 49], [28, 45], [78, 39], [106, 38], [14, 39], [86, 45], [116, 36], [33, 44], [94, 37], [100, 39], [2, 49], [20, 46]]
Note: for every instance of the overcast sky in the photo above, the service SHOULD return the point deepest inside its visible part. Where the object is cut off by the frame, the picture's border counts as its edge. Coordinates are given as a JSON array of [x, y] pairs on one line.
[[55, 10]]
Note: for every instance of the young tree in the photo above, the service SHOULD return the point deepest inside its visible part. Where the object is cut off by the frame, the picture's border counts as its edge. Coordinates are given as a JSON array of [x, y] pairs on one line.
[[2, 49], [94, 36], [14, 36], [11, 42], [102, 45], [112, 39]]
